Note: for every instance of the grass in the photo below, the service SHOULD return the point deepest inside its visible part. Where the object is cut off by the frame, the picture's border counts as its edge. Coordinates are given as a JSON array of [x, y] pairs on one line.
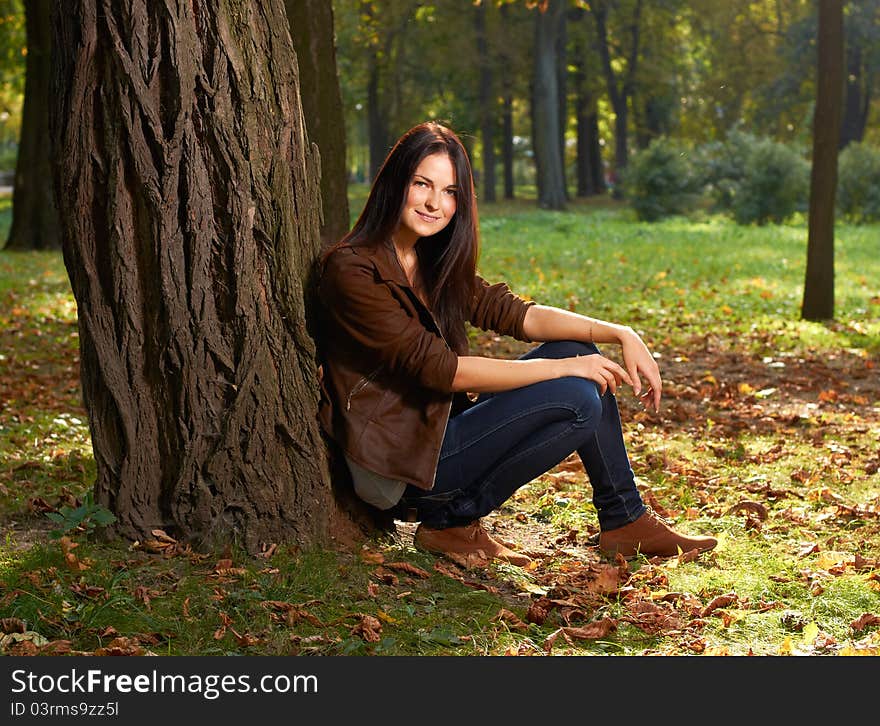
[[760, 408]]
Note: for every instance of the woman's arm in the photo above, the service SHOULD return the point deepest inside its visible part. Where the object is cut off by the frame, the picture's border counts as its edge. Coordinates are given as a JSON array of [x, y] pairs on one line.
[[547, 323], [543, 323], [490, 375]]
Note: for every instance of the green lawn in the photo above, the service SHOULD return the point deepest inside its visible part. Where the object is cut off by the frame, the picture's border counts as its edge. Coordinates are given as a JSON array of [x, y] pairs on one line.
[[767, 437]]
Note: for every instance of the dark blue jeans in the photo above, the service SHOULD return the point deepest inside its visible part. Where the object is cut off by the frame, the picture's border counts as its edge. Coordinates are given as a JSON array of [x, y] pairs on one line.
[[508, 439]]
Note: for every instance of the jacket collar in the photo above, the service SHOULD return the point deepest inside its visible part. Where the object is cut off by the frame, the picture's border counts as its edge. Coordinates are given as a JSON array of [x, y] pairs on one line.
[[385, 260]]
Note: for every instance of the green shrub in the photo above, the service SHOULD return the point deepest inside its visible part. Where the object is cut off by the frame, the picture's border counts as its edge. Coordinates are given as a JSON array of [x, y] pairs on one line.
[[774, 185], [858, 183], [658, 180], [720, 167]]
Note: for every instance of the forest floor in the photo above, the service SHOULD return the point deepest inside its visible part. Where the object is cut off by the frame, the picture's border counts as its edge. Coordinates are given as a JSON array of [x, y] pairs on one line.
[[767, 438]]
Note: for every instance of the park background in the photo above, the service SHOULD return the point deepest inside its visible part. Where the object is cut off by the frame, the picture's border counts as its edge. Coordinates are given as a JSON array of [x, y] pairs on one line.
[[648, 163]]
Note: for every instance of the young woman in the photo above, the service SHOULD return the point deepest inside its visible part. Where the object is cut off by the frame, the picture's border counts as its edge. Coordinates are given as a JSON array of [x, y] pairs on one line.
[[396, 294]]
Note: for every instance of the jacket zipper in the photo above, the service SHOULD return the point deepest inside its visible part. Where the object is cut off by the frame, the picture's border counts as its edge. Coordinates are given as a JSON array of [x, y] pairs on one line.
[[449, 404], [359, 386]]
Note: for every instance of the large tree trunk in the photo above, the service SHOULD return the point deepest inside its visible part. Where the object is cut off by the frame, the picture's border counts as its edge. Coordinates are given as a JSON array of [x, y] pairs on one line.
[[545, 109], [818, 302], [190, 203], [487, 104], [311, 28], [35, 224]]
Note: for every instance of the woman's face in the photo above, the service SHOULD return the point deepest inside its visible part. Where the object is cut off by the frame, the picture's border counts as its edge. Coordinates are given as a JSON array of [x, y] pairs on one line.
[[430, 199]]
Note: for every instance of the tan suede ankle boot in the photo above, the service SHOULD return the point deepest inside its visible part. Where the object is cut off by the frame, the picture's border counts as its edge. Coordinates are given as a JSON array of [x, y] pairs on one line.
[[652, 536], [471, 539]]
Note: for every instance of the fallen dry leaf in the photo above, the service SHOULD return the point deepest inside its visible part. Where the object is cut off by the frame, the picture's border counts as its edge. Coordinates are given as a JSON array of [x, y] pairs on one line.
[[267, 551], [598, 629], [373, 558], [749, 506], [539, 610], [368, 628], [71, 561], [510, 619], [722, 601], [408, 568], [863, 621], [246, 640], [12, 625], [121, 646], [808, 548]]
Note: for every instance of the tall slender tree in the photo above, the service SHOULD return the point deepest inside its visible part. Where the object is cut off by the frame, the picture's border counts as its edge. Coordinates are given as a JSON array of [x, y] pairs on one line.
[[620, 90], [189, 200], [546, 124], [486, 102], [818, 302], [35, 223]]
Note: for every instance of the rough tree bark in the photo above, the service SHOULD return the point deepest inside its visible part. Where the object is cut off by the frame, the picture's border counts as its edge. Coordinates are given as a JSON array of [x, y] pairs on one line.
[[818, 302], [35, 224], [189, 200], [545, 109], [311, 28]]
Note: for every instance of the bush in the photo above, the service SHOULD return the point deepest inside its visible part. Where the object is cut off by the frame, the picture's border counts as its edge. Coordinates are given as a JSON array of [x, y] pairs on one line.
[[658, 180], [756, 179], [858, 183], [774, 184], [720, 167]]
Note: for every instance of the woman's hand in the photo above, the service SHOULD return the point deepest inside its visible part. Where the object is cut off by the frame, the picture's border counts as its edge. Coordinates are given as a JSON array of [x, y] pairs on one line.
[[598, 368], [639, 362]]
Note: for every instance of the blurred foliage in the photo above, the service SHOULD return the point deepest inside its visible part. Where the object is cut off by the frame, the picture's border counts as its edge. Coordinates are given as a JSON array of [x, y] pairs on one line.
[[12, 71], [774, 184], [858, 183], [755, 178], [659, 181]]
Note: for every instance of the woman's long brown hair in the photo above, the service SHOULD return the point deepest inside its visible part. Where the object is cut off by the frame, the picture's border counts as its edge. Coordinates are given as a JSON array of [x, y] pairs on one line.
[[448, 259]]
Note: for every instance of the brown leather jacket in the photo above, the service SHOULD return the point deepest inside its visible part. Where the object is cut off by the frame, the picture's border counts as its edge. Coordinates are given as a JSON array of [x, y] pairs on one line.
[[386, 390]]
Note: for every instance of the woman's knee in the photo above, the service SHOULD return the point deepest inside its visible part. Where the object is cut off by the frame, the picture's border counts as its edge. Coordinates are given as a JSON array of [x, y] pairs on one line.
[[583, 395], [562, 349]]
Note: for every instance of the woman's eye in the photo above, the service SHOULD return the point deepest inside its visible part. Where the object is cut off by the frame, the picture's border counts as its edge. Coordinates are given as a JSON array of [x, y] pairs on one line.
[[419, 184], [451, 192]]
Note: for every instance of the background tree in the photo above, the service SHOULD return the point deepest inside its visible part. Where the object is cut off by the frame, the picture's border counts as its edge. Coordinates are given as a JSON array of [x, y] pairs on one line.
[[818, 302], [189, 201], [34, 219], [486, 101], [587, 88], [546, 124], [627, 23], [311, 27], [862, 42]]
